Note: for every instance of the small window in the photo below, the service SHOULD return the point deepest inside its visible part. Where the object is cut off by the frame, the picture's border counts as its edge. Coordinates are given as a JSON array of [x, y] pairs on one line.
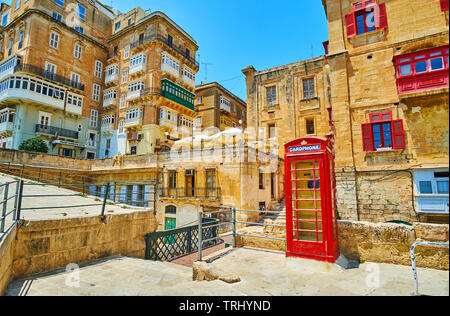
[[437, 63], [442, 187], [261, 180], [421, 66], [310, 128], [54, 40], [172, 210], [308, 89], [81, 12], [57, 16], [426, 187], [271, 94], [405, 70]]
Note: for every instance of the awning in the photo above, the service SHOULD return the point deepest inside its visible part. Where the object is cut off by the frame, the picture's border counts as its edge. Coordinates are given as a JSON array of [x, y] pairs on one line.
[[66, 143]]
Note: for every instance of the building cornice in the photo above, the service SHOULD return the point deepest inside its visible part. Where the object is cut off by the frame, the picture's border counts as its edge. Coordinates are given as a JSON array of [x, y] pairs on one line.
[[48, 17], [156, 14], [219, 86]]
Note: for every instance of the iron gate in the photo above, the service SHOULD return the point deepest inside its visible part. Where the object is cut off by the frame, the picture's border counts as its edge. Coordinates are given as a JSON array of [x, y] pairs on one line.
[[169, 244]]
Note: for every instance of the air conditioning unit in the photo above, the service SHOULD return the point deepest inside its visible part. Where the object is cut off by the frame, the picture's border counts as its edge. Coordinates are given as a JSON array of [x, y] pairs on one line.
[[140, 137]]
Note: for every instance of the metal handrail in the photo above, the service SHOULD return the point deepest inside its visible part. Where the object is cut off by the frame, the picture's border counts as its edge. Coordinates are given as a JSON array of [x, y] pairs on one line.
[[413, 260], [52, 130], [4, 206], [66, 173]]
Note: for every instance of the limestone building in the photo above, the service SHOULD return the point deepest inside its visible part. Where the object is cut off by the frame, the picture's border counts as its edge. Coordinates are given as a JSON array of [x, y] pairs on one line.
[[218, 107], [149, 84], [53, 55], [289, 101], [390, 98], [93, 82]]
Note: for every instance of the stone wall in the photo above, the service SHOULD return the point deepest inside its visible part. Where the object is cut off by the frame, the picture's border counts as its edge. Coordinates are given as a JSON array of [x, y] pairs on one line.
[[44, 246], [6, 259], [364, 241], [45, 160]]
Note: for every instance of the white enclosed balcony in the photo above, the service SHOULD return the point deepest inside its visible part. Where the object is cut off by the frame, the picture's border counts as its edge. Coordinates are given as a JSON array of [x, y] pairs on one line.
[[170, 66], [112, 74], [133, 118], [7, 67], [107, 128], [28, 89], [133, 122], [188, 77], [74, 104], [132, 95], [7, 122], [138, 64], [225, 104], [168, 118], [134, 90]]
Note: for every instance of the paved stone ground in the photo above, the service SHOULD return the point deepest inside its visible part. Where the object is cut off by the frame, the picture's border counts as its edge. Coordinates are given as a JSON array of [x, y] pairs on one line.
[[59, 213], [262, 273]]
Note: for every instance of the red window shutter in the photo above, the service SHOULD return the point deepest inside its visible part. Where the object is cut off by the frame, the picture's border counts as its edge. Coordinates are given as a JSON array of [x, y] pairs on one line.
[[383, 18], [350, 24], [398, 134], [367, 137], [444, 5]]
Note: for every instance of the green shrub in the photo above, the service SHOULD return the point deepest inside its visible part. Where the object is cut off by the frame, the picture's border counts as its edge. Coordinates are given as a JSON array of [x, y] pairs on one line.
[[35, 145]]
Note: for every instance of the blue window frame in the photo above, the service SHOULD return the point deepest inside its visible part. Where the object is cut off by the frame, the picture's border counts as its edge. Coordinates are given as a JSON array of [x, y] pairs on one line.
[[425, 187], [81, 12], [57, 16], [79, 29], [5, 20], [421, 66], [382, 135], [22, 33], [437, 63], [60, 2], [365, 22]]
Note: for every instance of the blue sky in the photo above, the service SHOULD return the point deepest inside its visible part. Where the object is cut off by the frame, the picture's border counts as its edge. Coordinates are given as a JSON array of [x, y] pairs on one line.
[[234, 34]]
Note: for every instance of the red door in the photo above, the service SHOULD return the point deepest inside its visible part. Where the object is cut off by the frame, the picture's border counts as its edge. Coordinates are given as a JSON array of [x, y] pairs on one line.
[[306, 207]]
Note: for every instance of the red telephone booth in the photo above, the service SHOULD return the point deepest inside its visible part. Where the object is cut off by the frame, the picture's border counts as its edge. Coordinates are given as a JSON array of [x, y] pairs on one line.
[[311, 215]]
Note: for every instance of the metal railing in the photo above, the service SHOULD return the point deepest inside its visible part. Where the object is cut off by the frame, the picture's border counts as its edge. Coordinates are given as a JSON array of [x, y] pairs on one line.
[[233, 223], [103, 194], [9, 206], [170, 244], [142, 194], [186, 193], [413, 260], [51, 130], [49, 75], [165, 40], [113, 54]]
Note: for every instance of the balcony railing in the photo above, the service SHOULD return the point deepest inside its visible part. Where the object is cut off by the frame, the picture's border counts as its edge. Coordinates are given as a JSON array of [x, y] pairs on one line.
[[190, 193], [61, 132], [165, 40], [48, 75], [112, 55]]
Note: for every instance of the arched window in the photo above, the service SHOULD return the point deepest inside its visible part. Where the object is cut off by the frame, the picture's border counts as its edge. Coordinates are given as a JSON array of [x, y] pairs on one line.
[[171, 210]]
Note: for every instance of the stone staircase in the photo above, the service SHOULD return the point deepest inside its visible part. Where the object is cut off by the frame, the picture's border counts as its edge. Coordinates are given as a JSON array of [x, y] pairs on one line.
[[276, 219]]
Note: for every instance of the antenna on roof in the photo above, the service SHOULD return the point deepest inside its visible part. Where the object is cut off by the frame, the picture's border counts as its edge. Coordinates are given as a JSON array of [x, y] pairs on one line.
[[206, 70]]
